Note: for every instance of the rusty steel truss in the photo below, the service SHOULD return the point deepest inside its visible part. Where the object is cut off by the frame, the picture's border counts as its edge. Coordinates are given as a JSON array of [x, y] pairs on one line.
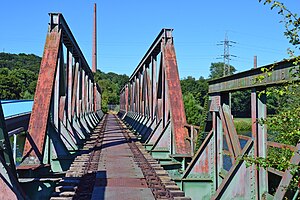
[[67, 107], [152, 103], [153, 107], [66, 99]]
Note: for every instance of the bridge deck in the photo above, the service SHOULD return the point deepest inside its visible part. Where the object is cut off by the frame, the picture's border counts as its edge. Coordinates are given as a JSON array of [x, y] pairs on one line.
[[118, 175], [114, 165]]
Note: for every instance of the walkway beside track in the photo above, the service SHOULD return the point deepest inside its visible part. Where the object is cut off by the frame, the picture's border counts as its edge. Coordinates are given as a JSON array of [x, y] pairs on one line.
[[118, 175]]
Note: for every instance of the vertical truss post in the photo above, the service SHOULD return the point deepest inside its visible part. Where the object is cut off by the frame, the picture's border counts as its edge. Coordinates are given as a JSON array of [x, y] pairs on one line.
[[259, 134], [173, 97], [79, 94], [126, 98], [132, 96], [153, 86], [218, 137], [262, 142], [75, 88], [39, 119], [148, 94], [69, 83]]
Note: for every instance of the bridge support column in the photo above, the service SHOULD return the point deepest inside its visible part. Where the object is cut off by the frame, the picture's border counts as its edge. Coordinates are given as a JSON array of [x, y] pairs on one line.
[[259, 134], [218, 133]]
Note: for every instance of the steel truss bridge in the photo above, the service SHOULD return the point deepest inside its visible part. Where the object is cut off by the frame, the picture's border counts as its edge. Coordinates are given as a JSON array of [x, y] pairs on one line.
[[73, 150]]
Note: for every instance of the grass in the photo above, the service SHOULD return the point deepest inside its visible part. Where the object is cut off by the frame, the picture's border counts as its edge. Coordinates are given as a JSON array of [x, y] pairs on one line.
[[242, 124]]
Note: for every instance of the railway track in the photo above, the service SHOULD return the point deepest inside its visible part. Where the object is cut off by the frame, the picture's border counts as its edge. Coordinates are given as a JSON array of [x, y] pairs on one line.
[[82, 179], [157, 178]]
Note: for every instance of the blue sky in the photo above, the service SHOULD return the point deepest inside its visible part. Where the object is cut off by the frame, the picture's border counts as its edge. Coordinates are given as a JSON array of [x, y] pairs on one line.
[[126, 29]]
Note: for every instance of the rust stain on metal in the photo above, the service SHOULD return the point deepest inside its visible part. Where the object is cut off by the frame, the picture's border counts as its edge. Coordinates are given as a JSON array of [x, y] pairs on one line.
[[175, 101], [40, 111], [95, 98], [62, 103], [75, 86], [6, 192]]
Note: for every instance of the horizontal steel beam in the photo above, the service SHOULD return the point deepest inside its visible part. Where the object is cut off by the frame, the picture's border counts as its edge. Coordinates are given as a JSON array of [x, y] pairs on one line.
[[17, 121], [281, 73], [15, 131]]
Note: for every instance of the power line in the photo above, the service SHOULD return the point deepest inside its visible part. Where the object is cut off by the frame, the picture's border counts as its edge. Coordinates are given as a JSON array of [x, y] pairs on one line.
[[226, 56]]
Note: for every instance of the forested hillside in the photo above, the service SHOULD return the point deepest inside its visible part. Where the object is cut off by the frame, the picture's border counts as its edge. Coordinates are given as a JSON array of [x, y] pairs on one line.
[[111, 84], [18, 75]]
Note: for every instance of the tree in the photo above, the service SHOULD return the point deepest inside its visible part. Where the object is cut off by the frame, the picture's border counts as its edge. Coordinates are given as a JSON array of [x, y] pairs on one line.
[[217, 70], [10, 86], [192, 109], [19, 73], [110, 84], [241, 103], [194, 92], [28, 81]]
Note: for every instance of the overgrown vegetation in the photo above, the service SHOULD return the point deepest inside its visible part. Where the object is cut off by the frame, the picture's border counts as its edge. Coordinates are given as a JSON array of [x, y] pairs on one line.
[[284, 125]]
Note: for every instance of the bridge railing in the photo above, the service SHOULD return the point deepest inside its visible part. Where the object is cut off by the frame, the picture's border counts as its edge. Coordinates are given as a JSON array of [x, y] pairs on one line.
[[17, 114], [151, 102], [67, 102], [66, 108]]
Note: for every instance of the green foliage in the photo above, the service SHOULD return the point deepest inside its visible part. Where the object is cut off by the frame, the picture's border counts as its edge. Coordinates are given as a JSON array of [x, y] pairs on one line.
[[193, 92], [286, 123], [283, 127], [192, 109], [29, 62], [241, 103], [217, 70], [10, 86], [110, 84], [242, 124], [18, 75], [202, 125]]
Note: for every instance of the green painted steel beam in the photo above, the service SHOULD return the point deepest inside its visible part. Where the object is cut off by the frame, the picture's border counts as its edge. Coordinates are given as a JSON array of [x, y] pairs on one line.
[[281, 73]]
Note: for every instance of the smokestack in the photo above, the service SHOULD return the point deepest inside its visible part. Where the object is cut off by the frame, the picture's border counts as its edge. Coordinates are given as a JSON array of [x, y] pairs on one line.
[[255, 62], [94, 53]]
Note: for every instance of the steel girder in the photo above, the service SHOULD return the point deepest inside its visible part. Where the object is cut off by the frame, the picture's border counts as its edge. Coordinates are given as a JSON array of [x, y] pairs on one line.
[[152, 102], [67, 102]]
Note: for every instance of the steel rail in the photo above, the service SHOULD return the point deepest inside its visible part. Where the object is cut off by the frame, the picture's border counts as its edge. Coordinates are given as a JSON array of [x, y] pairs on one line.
[[79, 180]]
